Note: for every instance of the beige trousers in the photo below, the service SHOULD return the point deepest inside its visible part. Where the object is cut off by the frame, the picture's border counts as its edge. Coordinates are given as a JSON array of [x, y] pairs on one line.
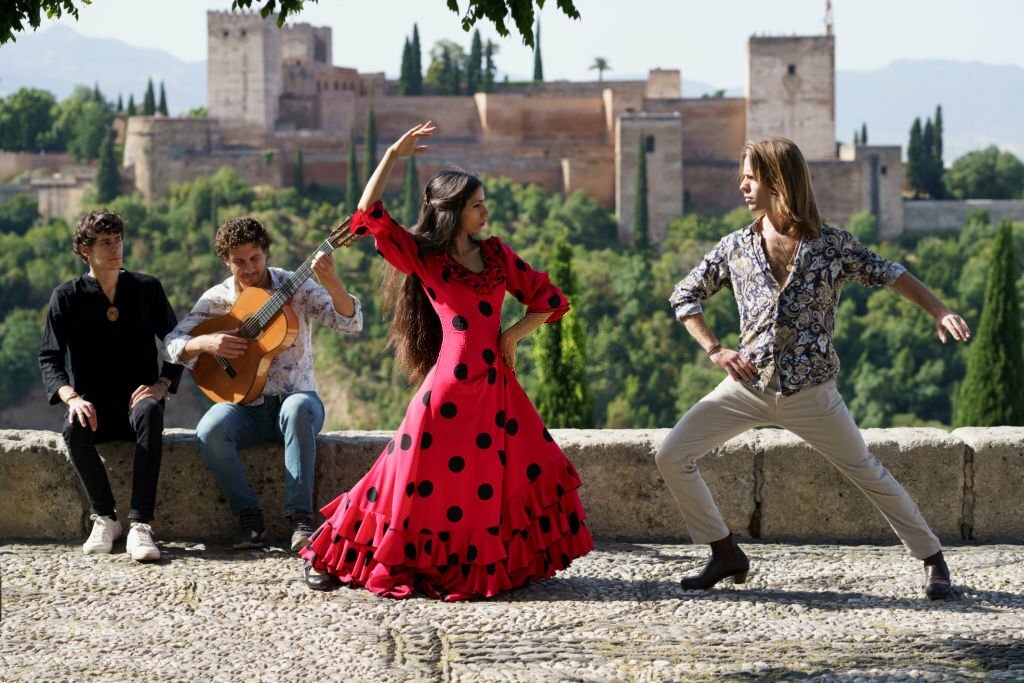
[[820, 417]]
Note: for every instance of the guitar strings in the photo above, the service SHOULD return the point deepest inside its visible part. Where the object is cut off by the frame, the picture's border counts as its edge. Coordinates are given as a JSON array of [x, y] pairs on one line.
[[254, 325]]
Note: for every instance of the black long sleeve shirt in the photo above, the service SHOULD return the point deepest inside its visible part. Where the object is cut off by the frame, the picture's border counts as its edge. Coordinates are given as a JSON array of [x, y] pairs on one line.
[[109, 359]]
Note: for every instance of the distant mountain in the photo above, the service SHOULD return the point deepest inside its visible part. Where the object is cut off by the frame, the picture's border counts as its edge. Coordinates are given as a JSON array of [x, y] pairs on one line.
[[59, 58], [981, 103]]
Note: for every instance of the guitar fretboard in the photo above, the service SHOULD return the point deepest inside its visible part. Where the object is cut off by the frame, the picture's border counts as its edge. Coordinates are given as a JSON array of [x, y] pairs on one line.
[[254, 326]]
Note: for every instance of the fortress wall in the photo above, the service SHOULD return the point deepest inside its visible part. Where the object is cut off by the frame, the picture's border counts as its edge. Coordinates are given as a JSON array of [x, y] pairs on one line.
[[457, 117], [713, 129], [768, 483], [592, 173], [712, 187], [663, 149], [842, 189], [949, 215], [155, 148], [564, 120], [13, 163]]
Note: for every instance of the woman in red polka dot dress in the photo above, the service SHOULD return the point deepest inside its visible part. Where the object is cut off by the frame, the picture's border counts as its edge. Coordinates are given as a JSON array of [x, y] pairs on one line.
[[472, 496]]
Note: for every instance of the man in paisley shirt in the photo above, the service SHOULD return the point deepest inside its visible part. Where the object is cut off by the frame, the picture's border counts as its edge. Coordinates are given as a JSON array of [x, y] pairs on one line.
[[786, 270], [288, 410]]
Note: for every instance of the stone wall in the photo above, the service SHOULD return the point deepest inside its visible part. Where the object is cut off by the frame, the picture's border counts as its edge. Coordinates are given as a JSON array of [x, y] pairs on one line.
[[713, 129], [662, 134], [949, 215], [13, 163], [243, 67], [767, 483]]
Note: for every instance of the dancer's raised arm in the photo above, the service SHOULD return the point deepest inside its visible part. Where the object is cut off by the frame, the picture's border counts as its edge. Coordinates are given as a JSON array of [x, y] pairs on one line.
[[405, 146]]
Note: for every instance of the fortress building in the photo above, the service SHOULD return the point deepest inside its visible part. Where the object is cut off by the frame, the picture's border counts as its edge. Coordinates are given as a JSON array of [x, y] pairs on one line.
[[273, 91]]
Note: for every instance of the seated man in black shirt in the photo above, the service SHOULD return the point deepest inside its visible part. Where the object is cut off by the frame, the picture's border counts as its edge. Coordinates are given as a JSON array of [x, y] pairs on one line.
[[109, 319]]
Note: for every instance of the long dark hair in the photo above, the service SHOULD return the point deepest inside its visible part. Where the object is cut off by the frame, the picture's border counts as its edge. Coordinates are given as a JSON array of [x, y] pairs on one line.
[[415, 332]]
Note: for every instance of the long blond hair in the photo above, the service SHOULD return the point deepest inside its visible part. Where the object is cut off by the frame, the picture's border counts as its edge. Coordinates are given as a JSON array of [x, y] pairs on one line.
[[780, 167]]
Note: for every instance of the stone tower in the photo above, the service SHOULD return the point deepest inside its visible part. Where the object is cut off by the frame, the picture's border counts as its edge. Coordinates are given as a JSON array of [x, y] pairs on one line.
[[791, 92], [663, 145], [243, 68]]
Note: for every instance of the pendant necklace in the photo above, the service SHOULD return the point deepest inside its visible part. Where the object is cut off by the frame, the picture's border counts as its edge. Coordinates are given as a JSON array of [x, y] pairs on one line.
[[792, 257], [112, 314]]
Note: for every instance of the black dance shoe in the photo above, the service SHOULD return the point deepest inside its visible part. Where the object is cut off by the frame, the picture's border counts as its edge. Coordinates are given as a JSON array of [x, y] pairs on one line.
[[937, 585], [727, 560], [319, 582]]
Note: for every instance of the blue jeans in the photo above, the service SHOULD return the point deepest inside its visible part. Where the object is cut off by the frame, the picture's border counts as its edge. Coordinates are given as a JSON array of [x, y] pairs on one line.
[[294, 420]]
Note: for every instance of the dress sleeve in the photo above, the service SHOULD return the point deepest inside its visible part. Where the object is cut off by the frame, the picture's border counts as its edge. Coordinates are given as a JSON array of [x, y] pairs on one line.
[[53, 349], [532, 287], [394, 242]]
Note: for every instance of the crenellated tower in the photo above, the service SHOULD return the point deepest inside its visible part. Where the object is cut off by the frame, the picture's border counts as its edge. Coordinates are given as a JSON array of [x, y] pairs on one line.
[[243, 68]]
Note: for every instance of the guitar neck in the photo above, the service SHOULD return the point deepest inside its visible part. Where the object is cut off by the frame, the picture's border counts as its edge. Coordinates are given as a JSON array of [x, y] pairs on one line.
[[255, 325]]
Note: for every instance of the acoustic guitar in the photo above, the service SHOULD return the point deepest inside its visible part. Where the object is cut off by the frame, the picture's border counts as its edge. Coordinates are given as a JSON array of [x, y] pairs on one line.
[[266, 319]]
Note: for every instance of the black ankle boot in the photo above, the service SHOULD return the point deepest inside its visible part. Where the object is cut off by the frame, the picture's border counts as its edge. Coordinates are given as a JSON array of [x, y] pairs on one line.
[[726, 560], [937, 585]]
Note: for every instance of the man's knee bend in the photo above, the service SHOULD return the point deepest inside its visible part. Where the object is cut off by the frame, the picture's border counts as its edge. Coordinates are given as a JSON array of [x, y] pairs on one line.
[[149, 414], [212, 432], [675, 458], [300, 411], [75, 434]]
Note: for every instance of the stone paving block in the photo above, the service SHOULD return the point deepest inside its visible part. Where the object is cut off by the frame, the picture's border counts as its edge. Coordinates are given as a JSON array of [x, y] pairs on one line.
[[625, 496], [40, 496], [998, 488], [804, 497]]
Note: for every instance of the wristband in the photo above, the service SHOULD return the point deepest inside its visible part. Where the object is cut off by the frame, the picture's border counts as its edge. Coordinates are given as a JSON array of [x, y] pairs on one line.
[[162, 383], [72, 397], [714, 349]]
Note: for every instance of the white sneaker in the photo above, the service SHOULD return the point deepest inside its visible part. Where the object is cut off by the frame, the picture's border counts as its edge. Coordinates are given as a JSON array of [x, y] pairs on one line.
[[140, 543], [105, 531]]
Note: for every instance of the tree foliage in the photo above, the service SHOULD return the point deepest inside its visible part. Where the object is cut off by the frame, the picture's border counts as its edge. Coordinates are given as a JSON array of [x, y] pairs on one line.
[[986, 174], [108, 178], [641, 217], [161, 106], [925, 168], [538, 62], [370, 145], [991, 393], [149, 100], [475, 65]]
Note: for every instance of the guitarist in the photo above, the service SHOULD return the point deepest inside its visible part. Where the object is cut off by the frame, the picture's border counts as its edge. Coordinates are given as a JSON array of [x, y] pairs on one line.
[[288, 410]]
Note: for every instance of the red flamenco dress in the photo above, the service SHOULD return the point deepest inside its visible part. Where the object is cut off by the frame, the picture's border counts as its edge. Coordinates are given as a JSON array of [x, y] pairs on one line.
[[472, 496]]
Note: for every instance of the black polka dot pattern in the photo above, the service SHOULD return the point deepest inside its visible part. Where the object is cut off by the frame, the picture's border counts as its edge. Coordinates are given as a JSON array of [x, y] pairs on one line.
[[499, 419], [471, 553], [425, 489], [483, 440], [460, 323], [461, 371], [410, 488], [489, 356], [547, 435], [426, 399], [512, 427], [351, 555], [444, 535], [518, 294], [456, 464], [428, 546], [492, 375], [545, 524], [391, 446], [377, 212], [425, 440], [431, 293], [449, 410], [362, 230], [410, 551], [486, 309], [485, 492], [371, 494], [554, 301], [454, 513], [520, 264], [533, 471], [406, 442]]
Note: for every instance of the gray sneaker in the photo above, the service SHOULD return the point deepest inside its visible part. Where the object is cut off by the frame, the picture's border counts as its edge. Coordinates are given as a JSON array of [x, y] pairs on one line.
[[250, 530], [302, 529]]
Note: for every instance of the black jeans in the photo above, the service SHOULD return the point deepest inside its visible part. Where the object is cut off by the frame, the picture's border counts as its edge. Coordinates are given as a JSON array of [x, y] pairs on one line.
[[143, 424]]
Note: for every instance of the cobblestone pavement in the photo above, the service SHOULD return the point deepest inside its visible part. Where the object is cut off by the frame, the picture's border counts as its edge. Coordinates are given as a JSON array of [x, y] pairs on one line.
[[807, 612]]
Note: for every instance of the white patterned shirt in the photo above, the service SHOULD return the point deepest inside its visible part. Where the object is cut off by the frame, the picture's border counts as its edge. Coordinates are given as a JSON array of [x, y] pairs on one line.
[[292, 370]]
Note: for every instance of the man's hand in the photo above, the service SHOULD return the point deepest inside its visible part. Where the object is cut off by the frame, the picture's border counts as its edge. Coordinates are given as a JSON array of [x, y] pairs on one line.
[[157, 392], [954, 324], [738, 367], [225, 344], [83, 411], [323, 268]]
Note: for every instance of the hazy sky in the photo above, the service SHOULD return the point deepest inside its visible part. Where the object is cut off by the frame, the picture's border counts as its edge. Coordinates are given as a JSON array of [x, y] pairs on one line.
[[706, 40]]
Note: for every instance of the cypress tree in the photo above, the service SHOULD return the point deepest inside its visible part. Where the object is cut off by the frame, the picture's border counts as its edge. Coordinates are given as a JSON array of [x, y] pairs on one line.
[[456, 75], [299, 176], [411, 193], [120, 104], [856, 136], [641, 219], [352, 185], [149, 102], [489, 70], [538, 66], [864, 133], [417, 63], [131, 105], [913, 170], [108, 178], [370, 145], [991, 393], [162, 107], [930, 166], [405, 73], [474, 65], [939, 189], [563, 396]]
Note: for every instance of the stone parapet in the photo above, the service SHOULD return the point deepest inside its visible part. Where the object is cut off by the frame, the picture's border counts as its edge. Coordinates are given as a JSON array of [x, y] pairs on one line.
[[767, 482]]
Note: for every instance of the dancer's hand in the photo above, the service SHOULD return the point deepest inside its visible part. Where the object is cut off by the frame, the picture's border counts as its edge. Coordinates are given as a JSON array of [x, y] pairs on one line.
[[408, 144], [954, 324], [507, 345], [738, 367]]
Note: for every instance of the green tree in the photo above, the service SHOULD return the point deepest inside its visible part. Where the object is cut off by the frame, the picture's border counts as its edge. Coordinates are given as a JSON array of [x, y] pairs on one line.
[[352, 191], [410, 193], [18, 213], [641, 218], [162, 106], [82, 124], [991, 392], [563, 395], [602, 65], [26, 120], [938, 136], [131, 105], [474, 65], [299, 175], [120, 104], [863, 133], [417, 62], [108, 179], [489, 68], [986, 174], [370, 145], [405, 73], [914, 171], [864, 226], [538, 64], [20, 332], [149, 101], [443, 72]]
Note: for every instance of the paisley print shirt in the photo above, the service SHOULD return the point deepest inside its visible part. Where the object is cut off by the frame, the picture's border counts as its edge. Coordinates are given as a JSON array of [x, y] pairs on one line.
[[292, 370], [787, 328]]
